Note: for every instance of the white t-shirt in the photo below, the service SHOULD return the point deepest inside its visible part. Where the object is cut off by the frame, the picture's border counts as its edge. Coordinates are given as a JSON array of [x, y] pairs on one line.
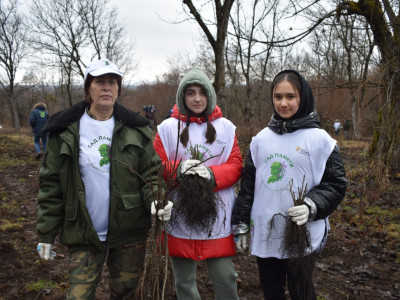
[[94, 164], [280, 160]]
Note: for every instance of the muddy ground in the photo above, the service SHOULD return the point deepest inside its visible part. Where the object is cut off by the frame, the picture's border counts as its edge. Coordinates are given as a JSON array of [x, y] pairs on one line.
[[358, 262]]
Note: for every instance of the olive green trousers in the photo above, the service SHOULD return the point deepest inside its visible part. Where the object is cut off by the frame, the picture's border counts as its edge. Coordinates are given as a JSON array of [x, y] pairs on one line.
[[221, 272]]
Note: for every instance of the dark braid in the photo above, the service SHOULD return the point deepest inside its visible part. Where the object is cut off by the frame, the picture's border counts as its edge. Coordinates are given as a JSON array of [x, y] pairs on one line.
[[210, 133], [185, 132]]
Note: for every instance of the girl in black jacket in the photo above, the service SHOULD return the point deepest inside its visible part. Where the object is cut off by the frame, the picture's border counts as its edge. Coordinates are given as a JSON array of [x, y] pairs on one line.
[[293, 177]]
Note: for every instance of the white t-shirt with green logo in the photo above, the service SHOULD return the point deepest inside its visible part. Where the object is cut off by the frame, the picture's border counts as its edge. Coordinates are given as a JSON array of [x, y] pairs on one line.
[[280, 160], [94, 164]]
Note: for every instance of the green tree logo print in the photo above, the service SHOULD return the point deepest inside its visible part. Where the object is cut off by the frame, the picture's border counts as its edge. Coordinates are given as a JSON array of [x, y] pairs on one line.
[[277, 172], [104, 151]]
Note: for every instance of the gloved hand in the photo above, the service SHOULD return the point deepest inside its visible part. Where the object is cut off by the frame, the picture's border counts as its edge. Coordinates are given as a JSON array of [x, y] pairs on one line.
[[241, 242], [44, 251], [202, 171], [299, 214], [187, 166], [164, 213]]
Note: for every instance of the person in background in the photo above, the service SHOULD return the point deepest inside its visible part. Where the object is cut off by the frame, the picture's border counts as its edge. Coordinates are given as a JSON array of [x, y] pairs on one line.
[[37, 119], [291, 151], [336, 126], [346, 129], [149, 112], [168, 114], [95, 187], [202, 125]]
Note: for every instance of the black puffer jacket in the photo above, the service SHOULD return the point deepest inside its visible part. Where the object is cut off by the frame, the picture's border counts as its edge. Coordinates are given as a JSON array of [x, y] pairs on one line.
[[327, 195]]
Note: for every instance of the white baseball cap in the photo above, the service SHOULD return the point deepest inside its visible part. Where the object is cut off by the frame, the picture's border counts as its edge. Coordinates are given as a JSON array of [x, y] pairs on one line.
[[101, 67]]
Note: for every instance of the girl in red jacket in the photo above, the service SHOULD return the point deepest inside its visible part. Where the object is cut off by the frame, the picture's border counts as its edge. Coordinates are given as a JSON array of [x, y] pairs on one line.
[[201, 127]]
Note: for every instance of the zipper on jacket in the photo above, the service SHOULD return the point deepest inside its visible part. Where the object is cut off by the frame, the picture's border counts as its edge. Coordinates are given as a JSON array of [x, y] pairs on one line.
[[284, 129]]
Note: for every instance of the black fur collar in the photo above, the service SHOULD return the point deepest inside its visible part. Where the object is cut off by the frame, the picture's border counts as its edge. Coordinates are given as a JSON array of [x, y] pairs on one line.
[[60, 120], [282, 126]]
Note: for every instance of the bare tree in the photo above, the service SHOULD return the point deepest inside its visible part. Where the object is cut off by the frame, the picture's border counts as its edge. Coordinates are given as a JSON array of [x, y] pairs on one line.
[[75, 32], [358, 49], [107, 36], [341, 59], [246, 60], [60, 32], [383, 19], [12, 52], [217, 42]]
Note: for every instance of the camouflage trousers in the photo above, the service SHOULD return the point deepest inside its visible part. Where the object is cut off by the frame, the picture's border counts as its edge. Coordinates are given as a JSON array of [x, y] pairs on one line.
[[125, 265]]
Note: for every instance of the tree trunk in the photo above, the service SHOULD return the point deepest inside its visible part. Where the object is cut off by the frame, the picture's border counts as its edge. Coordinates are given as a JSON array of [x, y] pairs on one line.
[[17, 123], [385, 146], [222, 14], [354, 119]]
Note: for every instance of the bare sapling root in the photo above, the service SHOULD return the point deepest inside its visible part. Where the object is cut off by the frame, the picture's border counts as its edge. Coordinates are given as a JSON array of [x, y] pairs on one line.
[[196, 204], [296, 238], [295, 244], [302, 269]]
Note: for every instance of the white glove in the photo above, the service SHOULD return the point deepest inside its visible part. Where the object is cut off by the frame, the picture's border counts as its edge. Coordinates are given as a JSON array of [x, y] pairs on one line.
[[241, 242], [44, 251], [202, 171], [187, 166], [299, 214], [164, 213]]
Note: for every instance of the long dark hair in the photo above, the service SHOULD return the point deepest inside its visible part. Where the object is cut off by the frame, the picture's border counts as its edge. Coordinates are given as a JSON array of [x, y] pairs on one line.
[[210, 132]]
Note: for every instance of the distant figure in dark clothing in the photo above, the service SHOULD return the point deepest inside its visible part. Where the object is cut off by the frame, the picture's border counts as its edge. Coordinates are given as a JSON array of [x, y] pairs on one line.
[[346, 128], [37, 119], [149, 114]]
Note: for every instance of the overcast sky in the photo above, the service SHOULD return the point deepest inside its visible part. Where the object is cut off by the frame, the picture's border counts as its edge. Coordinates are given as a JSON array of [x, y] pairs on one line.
[[156, 40]]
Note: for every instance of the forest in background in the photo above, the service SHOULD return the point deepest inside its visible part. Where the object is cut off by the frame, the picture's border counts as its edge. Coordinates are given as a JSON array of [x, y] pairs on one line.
[[330, 105], [348, 50]]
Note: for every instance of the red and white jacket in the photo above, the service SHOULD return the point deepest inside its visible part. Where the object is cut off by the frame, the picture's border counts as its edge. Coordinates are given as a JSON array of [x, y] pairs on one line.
[[226, 165]]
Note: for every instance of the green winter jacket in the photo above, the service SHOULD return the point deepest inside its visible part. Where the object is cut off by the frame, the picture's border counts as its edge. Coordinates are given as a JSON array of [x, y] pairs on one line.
[[61, 199]]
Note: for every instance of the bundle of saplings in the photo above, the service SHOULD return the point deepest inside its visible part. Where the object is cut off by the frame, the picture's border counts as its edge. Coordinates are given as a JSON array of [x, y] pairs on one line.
[[296, 240], [196, 204]]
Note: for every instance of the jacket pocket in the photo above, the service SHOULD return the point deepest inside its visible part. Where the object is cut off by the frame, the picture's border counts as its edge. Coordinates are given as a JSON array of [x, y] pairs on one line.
[[71, 211], [134, 217], [131, 200]]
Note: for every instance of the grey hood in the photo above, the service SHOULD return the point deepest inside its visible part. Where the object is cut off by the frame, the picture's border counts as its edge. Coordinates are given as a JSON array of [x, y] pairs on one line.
[[198, 77]]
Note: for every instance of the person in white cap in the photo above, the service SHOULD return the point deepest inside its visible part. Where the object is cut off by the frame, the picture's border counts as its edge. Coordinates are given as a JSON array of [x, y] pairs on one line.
[[95, 187]]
